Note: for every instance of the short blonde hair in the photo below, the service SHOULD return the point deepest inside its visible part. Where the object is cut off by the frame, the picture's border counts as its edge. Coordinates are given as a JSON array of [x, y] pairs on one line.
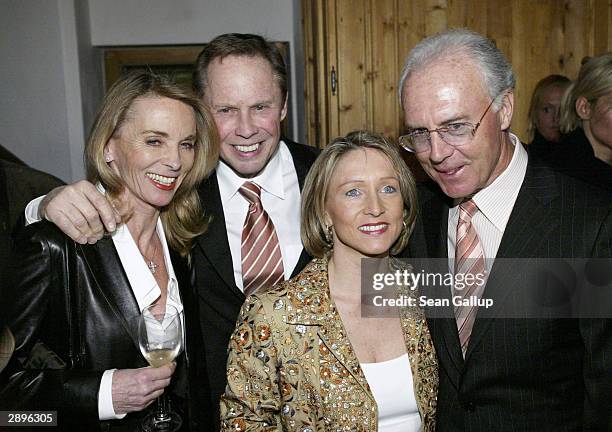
[[544, 84], [594, 81], [314, 195], [183, 218]]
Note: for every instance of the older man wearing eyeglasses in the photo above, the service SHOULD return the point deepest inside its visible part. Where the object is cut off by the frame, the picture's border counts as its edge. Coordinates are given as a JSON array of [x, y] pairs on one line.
[[489, 201]]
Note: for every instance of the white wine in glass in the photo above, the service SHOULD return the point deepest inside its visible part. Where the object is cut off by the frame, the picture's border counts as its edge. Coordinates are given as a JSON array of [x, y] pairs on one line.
[[162, 356], [160, 336]]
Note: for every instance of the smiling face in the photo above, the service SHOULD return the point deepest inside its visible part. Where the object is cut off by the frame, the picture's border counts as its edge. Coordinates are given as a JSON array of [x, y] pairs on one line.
[[547, 113], [450, 91], [152, 151], [364, 204], [248, 106]]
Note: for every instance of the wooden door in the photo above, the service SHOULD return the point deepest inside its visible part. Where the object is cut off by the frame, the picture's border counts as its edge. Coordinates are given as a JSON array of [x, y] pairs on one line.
[[362, 45]]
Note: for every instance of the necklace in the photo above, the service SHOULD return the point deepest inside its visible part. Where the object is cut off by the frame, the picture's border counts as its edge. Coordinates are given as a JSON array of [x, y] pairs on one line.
[[152, 266], [150, 263]]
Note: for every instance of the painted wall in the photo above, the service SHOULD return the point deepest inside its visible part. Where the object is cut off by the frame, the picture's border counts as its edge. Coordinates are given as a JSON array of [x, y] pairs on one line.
[[51, 74], [33, 104], [160, 22]]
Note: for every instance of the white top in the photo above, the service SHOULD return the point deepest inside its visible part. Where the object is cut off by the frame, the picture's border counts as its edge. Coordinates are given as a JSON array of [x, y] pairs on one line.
[[146, 291], [393, 389], [280, 197], [495, 203]]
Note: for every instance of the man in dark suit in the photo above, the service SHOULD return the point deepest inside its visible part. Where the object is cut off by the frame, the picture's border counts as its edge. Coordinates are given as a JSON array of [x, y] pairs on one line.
[[242, 78], [488, 200], [18, 185]]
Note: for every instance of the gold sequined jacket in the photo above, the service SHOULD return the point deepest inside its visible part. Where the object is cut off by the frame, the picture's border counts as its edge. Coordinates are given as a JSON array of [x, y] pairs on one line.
[[291, 366]]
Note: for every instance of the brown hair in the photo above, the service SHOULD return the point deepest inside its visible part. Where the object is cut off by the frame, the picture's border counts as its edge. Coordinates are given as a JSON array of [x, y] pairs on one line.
[[239, 44], [316, 186], [183, 218], [542, 85]]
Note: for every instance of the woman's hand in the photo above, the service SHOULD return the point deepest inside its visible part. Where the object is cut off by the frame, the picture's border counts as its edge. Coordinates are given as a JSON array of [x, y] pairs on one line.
[[135, 389]]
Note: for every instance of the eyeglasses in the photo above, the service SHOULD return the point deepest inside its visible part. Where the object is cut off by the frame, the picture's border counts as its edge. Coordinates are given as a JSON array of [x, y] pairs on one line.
[[454, 134]]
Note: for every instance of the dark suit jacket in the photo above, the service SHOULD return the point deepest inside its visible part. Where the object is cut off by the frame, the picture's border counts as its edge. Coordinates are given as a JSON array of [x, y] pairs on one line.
[[18, 185], [220, 299], [77, 301], [526, 374]]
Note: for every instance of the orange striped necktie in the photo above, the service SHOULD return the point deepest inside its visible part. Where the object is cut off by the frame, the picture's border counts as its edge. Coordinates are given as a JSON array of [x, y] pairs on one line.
[[262, 262], [469, 259]]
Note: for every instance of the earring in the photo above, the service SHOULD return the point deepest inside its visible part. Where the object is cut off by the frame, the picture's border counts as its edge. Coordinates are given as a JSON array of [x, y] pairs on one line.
[[108, 158], [329, 235]]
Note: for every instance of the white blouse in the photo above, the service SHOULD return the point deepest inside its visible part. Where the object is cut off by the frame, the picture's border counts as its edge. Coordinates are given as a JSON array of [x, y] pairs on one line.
[[146, 291], [392, 386]]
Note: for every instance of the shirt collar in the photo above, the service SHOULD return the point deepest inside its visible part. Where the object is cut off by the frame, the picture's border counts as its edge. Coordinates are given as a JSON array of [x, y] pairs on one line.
[[143, 284], [270, 179], [506, 185]]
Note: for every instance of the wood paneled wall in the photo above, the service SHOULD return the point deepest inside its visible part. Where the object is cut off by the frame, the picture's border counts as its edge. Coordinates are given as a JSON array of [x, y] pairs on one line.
[[366, 41]]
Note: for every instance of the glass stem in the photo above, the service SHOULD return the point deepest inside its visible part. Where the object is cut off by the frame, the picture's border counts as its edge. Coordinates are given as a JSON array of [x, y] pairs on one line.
[[162, 410]]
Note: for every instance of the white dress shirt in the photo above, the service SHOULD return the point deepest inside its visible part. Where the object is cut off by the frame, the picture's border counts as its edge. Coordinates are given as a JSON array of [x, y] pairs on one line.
[[495, 203], [31, 210], [145, 289], [280, 198]]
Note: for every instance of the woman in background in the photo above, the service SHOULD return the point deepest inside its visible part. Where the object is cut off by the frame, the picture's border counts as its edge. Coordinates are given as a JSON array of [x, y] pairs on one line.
[[543, 129], [586, 118], [303, 357], [74, 308]]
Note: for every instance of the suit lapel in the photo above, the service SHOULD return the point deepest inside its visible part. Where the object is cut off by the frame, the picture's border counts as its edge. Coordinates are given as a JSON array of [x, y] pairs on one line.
[[531, 222], [214, 243], [333, 336], [434, 212], [104, 264], [304, 259], [302, 160], [314, 290], [302, 163]]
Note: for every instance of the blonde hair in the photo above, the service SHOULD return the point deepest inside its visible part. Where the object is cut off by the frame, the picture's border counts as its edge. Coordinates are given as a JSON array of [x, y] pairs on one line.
[[313, 229], [183, 218], [594, 81], [544, 84]]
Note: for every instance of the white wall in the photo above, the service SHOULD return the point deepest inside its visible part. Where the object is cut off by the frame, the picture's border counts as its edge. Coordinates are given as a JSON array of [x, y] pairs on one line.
[[33, 105], [51, 74]]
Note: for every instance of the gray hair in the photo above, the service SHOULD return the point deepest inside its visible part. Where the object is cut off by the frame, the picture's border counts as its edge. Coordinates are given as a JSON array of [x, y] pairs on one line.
[[496, 71]]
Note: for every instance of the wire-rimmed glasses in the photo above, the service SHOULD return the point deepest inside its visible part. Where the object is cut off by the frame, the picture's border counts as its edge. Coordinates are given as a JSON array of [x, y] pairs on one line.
[[455, 134]]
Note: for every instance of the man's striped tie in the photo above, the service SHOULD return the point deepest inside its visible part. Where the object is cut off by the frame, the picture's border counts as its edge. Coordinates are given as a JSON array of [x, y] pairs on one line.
[[262, 262], [469, 259]]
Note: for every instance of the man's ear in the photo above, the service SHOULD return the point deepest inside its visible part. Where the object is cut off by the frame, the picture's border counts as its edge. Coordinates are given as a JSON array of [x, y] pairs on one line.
[[284, 110], [583, 108], [506, 110]]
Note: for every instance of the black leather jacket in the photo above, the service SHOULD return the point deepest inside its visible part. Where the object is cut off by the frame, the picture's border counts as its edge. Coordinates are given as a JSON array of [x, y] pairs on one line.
[[77, 301]]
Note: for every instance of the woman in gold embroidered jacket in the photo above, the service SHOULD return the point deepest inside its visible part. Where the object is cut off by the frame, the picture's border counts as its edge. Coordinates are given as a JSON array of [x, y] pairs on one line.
[[298, 354]]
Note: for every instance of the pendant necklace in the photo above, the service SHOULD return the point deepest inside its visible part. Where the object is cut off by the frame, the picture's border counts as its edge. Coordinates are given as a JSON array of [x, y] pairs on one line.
[[150, 263]]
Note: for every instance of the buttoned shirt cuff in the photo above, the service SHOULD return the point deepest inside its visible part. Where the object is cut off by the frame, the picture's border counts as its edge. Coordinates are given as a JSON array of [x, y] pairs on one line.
[[31, 210], [105, 398]]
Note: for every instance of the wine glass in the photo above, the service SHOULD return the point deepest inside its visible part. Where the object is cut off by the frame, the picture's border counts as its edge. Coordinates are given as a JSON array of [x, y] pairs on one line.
[[160, 336]]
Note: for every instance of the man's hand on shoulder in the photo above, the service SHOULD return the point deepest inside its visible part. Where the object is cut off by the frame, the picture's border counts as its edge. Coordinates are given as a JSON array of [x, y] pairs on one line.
[[80, 211]]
